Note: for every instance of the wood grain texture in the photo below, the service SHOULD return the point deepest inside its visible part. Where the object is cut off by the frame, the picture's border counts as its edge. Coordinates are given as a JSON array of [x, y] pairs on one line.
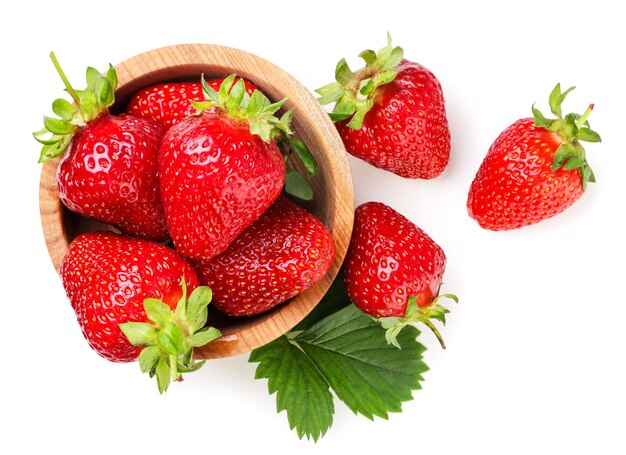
[[334, 196]]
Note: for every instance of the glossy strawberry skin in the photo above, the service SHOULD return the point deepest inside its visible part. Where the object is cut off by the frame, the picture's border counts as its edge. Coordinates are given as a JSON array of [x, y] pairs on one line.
[[280, 255], [168, 103], [216, 179], [109, 173], [515, 185], [107, 276], [389, 260], [406, 131]]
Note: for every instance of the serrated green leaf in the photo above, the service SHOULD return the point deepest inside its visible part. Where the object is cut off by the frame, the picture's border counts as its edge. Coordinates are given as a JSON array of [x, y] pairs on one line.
[[305, 156], [300, 389], [148, 358], [297, 185], [170, 339], [588, 135], [58, 126], [63, 109], [139, 333], [371, 377], [158, 312], [205, 336], [343, 73]]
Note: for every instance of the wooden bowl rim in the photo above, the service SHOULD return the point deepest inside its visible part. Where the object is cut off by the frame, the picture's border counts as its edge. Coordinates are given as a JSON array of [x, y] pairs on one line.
[[259, 330]]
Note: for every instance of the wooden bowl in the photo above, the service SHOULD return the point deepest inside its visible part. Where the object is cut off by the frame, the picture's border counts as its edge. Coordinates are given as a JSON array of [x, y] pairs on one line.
[[334, 198]]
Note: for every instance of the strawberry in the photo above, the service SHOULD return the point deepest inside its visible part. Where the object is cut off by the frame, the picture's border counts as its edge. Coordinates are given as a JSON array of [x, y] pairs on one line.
[[534, 170], [130, 299], [168, 103], [220, 168], [109, 166], [278, 256], [393, 270], [391, 113]]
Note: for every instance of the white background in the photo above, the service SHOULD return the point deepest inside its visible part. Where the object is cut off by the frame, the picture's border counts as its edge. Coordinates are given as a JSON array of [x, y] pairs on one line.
[[535, 358]]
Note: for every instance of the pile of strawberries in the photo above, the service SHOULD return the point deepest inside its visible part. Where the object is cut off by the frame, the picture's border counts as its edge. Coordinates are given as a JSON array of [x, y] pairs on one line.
[[200, 164], [197, 163]]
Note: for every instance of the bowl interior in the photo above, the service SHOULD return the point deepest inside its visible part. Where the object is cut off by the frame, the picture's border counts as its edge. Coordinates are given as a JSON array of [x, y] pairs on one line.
[[333, 203]]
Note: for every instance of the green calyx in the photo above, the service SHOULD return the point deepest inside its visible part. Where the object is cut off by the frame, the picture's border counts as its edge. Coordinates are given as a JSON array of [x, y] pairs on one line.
[[257, 109], [414, 313], [170, 340], [354, 91], [87, 105], [571, 128], [259, 112]]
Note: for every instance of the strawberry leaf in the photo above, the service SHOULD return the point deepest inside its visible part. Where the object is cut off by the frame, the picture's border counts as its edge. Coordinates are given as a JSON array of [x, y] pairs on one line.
[[346, 350], [148, 358], [297, 185], [158, 312], [305, 155]]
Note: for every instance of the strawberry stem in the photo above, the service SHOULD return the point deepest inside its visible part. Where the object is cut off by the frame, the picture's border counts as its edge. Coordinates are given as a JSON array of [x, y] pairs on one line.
[[581, 121], [434, 329], [67, 84]]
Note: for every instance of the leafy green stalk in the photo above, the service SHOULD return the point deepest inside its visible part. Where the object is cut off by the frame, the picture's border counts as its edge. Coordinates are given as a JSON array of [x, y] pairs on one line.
[[170, 339], [571, 129], [88, 104]]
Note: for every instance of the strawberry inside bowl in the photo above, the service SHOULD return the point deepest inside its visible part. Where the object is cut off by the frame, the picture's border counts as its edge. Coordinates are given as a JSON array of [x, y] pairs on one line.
[[332, 204]]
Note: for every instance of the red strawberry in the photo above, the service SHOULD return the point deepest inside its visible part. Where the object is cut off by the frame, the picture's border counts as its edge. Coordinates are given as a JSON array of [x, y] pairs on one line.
[[278, 256], [118, 285], [219, 172], [393, 269], [168, 103], [391, 114], [534, 170], [109, 168]]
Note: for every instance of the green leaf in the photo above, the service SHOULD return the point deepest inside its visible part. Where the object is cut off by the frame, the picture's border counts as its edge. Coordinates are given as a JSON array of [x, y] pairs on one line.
[[344, 108], [343, 73], [49, 151], [162, 373], [297, 185], [139, 333], [88, 103], [300, 388], [205, 336], [540, 119], [563, 153], [224, 90], [104, 91], [112, 77], [208, 92], [58, 126], [92, 77], [384, 77], [574, 163], [170, 339], [368, 56], [197, 306], [261, 128], [588, 135], [148, 358], [257, 101], [158, 312], [63, 109], [371, 377], [305, 156], [394, 59], [362, 108], [235, 95], [330, 93]]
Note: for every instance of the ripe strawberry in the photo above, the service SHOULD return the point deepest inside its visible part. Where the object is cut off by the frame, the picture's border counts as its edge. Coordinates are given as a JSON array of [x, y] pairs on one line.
[[534, 170], [393, 270], [169, 103], [109, 166], [278, 256], [220, 169], [391, 114], [117, 285]]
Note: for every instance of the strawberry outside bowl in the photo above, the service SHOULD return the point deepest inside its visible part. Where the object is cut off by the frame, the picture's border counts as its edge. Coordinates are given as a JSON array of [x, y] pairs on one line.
[[333, 203]]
